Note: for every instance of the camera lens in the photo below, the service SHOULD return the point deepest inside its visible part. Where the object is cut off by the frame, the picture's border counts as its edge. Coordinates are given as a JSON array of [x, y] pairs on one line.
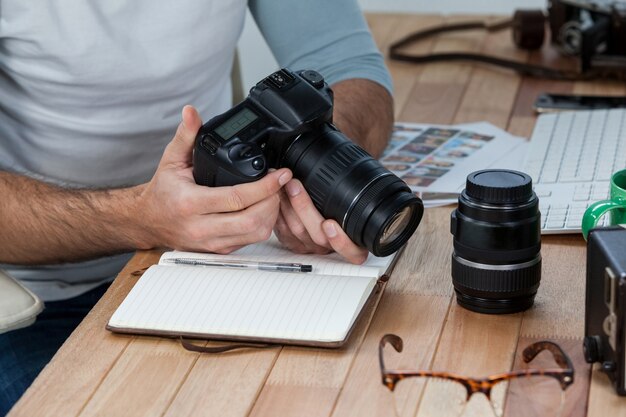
[[496, 264], [375, 208]]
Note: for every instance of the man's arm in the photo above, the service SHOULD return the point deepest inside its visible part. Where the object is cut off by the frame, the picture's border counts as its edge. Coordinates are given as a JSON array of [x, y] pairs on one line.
[[364, 112], [42, 223]]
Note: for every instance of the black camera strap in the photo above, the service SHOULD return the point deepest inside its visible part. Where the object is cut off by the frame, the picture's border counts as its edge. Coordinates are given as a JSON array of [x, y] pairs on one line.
[[522, 68]]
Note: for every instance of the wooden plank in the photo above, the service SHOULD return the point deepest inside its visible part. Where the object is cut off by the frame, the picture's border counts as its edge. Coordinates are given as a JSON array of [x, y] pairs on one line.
[[601, 88], [471, 344], [74, 374], [143, 381], [405, 75], [310, 376], [491, 91], [603, 401], [559, 309], [382, 27], [523, 116], [424, 267], [418, 320], [436, 96], [225, 384]]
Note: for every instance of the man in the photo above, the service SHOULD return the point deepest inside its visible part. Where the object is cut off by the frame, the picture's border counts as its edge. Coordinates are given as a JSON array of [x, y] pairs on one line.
[[89, 99]]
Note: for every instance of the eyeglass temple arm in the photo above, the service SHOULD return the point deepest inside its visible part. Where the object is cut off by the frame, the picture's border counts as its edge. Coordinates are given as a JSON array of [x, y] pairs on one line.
[[393, 340], [559, 355]]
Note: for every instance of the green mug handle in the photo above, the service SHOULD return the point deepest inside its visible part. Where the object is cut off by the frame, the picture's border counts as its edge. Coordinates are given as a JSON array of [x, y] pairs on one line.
[[596, 210]]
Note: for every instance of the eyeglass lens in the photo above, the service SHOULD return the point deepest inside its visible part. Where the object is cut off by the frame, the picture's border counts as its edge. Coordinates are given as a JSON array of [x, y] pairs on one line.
[[534, 396]]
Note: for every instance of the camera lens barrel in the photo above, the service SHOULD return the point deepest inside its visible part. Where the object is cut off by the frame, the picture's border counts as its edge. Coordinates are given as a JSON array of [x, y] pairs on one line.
[[376, 209], [496, 264]]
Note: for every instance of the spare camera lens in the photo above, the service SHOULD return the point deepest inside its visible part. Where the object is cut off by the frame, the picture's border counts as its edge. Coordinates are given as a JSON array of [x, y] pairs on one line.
[[375, 208], [496, 264]]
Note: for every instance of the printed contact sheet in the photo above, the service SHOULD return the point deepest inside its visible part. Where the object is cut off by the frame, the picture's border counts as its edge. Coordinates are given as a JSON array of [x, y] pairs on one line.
[[435, 160]]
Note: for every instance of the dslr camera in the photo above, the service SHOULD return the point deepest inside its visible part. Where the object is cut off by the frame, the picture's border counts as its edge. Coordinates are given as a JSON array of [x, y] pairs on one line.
[[286, 121], [605, 304]]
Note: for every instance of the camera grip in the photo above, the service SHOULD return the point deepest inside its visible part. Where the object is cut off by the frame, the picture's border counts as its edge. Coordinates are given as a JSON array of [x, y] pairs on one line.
[[595, 211], [236, 164]]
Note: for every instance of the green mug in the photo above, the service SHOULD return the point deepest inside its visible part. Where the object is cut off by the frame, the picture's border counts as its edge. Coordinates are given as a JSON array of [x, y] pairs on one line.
[[616, 205]]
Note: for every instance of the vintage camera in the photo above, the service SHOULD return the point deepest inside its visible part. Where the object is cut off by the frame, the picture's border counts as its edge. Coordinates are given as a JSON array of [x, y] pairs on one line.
[[605, 303], [594, 31], [286, 121]]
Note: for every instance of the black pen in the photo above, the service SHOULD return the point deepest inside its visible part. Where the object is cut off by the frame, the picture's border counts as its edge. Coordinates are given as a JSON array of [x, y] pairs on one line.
[[242, 264]]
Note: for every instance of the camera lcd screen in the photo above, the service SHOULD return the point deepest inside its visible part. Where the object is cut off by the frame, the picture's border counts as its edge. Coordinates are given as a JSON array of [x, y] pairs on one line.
[[236, 123]]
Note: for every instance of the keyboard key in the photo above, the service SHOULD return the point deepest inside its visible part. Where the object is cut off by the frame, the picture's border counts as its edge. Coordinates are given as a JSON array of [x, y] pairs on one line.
[[573, 223], [558, 212], [554, 225]]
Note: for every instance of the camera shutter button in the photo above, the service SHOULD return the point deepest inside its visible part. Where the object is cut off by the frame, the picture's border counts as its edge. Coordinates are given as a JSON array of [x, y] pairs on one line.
[[314, 78]]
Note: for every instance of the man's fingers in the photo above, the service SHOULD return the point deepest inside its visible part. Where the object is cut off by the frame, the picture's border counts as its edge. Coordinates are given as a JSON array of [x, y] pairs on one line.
[[214, 232], [291, 228], [286, 237], [180, 149], [342, 244], [306, 212], [239, 197]]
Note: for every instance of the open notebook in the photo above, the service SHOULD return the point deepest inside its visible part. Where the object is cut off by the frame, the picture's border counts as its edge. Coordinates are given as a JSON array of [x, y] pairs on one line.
[[317, 308]]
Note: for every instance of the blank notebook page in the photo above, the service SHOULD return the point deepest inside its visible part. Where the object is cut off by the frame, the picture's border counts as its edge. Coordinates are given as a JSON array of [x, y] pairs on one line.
[[215, 301]]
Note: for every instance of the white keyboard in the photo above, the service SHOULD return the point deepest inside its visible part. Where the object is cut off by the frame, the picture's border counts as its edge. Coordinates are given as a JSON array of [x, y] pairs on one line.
[[571, 159]]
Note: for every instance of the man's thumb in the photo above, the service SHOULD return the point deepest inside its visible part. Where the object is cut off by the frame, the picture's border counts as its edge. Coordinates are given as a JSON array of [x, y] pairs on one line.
[[180, 149]]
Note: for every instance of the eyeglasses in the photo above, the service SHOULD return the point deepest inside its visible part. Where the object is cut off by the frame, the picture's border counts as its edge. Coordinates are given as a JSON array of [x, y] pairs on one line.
[[524, 392]]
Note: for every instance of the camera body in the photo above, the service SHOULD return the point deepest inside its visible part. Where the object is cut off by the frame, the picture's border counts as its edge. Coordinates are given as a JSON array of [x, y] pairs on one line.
[[605, 303], [594, 31], [286, 121], [241, 144]]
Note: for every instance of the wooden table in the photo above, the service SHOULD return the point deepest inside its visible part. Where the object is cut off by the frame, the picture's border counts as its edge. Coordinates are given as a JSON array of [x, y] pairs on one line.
[[98, 373]]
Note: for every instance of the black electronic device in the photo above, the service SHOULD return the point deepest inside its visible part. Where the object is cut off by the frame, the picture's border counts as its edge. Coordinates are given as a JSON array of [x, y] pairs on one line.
[[605, 303], [496, 263], [286, 121], [592, 31], [546, 103]]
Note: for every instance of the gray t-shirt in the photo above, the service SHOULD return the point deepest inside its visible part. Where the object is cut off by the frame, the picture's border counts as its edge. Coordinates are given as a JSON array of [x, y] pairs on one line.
[[91, 91]]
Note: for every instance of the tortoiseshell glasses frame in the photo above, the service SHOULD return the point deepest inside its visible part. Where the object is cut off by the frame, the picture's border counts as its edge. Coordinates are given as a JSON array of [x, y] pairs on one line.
[[564, 374]]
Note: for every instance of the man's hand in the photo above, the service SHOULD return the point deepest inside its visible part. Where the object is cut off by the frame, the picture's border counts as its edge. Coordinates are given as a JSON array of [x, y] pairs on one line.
[[302, 228], [42, 223], [180, 214]]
